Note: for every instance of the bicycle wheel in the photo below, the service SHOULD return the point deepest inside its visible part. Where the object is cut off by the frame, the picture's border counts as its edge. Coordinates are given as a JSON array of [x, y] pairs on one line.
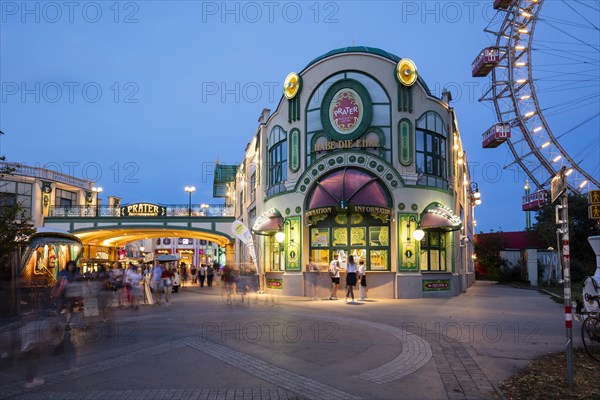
[[590, 335]]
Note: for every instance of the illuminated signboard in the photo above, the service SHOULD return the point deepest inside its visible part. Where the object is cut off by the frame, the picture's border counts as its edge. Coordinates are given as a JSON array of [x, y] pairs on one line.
[[273, 283], [143, 210], [435, 285]]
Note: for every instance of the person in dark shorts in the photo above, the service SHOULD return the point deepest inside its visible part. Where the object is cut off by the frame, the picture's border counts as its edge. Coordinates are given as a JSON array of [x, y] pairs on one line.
[[334, 274], [351, 270]]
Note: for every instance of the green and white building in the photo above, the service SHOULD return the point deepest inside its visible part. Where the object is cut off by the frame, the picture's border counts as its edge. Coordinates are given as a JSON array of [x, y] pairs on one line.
[[357, 157]]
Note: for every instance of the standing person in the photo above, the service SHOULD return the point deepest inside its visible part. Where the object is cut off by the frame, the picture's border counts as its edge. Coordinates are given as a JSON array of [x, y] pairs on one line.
[[362, 279], [68, 276], [167, 279], [334, 274], [227, 282], [351, 269], [194, 272], [202, 274], [134, 278], [210, 274], [118, 277], [127, 283], [104, 294], [157, 285], [184, 274]]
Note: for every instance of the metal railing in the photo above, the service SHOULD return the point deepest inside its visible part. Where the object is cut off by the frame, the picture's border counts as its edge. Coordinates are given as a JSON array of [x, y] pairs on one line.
[[45, 174], [172, 210]]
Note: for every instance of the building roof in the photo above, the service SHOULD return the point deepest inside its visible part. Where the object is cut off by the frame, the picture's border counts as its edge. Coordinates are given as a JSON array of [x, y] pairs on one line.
[[369, 50], [519, 240], [224, 174]]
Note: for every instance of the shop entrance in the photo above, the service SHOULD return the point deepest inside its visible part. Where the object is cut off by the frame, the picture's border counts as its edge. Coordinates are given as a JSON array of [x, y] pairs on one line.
[[362, 235]]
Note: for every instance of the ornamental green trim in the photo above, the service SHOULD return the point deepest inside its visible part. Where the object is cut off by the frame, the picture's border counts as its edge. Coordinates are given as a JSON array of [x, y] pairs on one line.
[[405, 140], [294, 150], [367, 109]]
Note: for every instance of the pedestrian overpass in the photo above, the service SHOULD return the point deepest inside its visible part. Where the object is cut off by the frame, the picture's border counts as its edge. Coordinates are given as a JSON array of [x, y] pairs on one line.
[[116, 226]]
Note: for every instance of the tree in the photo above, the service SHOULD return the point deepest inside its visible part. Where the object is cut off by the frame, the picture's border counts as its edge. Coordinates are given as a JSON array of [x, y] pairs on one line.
[[15, 227], [488, 247], [583, 259]]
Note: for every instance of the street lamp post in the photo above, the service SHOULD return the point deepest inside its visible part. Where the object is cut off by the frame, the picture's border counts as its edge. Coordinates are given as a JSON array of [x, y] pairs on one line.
[[204, 208], [527, 213], [190, 190], [97, 190], [475, 193]]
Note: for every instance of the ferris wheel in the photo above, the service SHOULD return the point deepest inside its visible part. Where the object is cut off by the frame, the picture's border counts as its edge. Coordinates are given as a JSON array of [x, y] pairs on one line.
[[545, 88]]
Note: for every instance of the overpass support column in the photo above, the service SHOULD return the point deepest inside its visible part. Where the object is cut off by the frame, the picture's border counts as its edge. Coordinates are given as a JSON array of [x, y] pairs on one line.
[[229, 258]]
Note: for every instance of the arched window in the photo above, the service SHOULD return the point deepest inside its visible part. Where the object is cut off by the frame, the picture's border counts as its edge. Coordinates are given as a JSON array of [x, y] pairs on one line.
[[431, 142], [277, 167], [433, 251]]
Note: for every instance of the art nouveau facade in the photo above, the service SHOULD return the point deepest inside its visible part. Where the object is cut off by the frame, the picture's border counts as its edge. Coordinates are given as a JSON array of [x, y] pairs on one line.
[[356, 157]]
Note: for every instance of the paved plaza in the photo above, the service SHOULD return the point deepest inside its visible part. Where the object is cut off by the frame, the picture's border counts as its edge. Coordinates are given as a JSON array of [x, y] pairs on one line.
[[268, 347]]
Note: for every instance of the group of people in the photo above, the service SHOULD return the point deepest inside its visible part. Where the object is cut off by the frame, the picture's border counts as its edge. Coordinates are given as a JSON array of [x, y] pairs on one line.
[[205, 273], [355, 274], [236, 280]]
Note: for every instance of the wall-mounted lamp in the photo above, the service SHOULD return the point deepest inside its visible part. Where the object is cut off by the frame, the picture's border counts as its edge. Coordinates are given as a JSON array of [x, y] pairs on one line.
[[418, 234], [464, 240], [476, 196], [280, 235]]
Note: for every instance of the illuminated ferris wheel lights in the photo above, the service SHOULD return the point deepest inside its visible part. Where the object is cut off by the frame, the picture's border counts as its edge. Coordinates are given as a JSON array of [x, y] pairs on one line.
[[569, 172], [525, 97], [525, 14], [519, 47], [582, 184], [529, 114], [557, 158], [523, 30], [519, 81], [520, 64], [545, 145], [539, 128]]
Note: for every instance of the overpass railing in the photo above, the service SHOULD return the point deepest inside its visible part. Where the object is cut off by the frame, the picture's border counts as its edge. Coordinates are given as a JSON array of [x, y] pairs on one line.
[[45, 174], [173, 210]]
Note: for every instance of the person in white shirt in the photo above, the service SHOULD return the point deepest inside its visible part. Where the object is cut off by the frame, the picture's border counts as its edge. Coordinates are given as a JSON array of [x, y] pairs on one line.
[[133, 277], [351, 270], [334, 274], [362, 279]]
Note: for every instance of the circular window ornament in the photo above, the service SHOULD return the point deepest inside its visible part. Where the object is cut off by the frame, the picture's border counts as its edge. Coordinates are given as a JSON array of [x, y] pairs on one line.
[[291, 85], [406, 72], [346, 110]]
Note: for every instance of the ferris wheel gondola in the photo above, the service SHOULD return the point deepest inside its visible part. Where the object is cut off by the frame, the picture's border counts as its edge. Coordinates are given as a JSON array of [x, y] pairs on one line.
[[545, 90]]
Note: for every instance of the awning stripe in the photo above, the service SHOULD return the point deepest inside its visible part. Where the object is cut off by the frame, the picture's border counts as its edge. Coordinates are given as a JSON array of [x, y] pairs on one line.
[[269, 221]]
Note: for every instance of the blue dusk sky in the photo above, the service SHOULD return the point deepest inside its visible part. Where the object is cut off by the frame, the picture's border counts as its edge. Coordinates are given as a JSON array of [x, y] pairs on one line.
[[143, 97]]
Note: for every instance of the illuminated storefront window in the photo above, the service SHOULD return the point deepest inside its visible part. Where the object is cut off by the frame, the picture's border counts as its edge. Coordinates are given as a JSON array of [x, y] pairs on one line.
[[433, 251], [12, 193], [431, 145], [277, 168]]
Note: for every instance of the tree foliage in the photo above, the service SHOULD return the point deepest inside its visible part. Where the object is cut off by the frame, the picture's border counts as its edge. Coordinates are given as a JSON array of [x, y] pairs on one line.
[[15, 227], [583, 259], [488, 247]]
